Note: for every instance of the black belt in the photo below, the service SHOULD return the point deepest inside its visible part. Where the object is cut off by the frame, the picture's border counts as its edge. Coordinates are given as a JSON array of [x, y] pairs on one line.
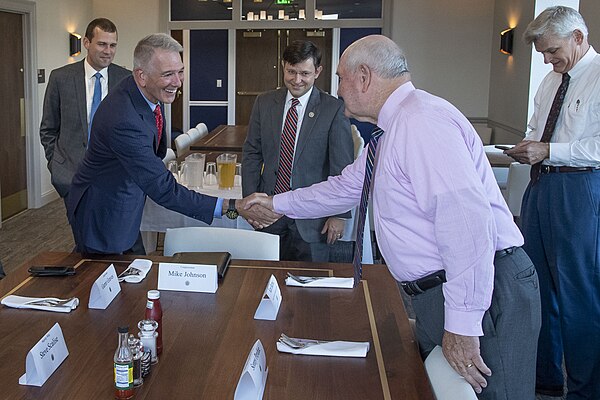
[[550, 169], [430, 281]]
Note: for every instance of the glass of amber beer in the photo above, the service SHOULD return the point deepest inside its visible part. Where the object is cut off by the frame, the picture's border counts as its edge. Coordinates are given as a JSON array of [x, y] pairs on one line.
[[226, 170]]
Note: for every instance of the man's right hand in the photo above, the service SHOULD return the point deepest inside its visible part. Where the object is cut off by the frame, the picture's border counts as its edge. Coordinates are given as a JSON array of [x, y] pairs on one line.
[[259, 214]]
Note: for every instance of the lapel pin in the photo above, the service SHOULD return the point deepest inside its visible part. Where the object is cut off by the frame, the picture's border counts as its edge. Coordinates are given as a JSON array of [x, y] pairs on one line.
[[311, 114]]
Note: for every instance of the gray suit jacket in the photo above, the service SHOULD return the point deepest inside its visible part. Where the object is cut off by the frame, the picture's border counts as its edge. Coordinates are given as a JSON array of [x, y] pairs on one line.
[[324, 147], [64, 126]]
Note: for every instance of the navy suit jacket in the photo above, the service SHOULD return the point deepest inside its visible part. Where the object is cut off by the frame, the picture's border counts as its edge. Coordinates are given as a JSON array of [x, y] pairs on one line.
[[123, 164]]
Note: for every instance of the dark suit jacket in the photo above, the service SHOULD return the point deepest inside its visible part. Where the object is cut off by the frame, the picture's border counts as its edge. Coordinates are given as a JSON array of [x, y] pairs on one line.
[[64, 126], [123, 164], [324, 147]]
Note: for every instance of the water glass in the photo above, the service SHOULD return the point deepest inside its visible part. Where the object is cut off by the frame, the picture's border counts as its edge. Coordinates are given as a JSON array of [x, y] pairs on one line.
[[237, 179], [182, 176], [174, 169], [211, 174]]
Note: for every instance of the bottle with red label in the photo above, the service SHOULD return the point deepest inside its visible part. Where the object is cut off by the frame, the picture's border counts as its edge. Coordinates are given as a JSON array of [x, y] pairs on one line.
[[123, 367], [154, 312]]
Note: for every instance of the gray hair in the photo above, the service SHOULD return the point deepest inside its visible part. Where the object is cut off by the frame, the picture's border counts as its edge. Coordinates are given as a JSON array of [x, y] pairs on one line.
[[378, 52], [145, 48], [557, 21]]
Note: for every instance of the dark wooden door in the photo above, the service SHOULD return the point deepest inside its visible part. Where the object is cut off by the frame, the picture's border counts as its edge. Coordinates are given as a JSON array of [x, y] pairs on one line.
[[258, 63], [13, 160]]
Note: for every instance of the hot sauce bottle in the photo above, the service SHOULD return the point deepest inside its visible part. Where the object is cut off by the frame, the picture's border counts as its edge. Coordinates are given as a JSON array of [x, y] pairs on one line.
[[123, 367]]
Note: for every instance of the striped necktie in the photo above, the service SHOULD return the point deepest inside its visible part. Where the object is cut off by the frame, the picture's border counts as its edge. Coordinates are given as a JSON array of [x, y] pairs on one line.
[[557, 103], [96, 99], [286, 154], [159, 123], [364, 201]]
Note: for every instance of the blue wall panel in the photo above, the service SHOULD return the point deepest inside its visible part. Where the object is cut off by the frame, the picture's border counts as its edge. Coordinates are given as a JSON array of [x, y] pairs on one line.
[[208, 62], [211, 116]]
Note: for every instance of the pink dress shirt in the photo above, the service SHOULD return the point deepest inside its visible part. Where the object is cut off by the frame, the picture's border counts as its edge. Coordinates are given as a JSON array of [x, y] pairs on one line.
[[435, 200]]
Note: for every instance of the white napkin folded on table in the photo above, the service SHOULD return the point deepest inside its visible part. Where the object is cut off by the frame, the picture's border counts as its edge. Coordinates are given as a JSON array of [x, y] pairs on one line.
[[345, 283], [24, 302], [140, 264], [336, 348]]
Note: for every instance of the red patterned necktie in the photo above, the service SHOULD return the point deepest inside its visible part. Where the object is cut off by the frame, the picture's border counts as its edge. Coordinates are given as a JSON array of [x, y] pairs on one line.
[[159, 121], [559, 98], [364, 201], [286, 154]]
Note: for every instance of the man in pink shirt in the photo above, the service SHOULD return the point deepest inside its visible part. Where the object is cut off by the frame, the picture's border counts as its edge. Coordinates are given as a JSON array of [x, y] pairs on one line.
[[439, 218]]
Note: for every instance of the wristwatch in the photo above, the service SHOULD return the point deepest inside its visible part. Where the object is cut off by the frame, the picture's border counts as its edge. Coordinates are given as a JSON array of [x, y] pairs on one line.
[[232, 213]]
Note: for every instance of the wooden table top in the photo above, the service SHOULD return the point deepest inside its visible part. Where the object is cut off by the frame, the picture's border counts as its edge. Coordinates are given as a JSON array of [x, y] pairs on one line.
[[223, 138], [207, 337]]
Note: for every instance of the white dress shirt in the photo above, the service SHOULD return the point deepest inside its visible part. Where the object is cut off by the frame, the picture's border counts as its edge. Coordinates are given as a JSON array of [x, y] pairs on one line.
[[90, 81], [576, 138]]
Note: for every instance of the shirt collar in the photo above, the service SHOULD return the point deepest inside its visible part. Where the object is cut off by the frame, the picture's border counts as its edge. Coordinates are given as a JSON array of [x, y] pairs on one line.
[[90, 71], [583, 63], [150, 104], [302, 99], [391, 104]]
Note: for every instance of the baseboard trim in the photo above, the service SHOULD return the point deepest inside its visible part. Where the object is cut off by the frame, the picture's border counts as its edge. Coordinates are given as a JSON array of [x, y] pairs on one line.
[[48, 197]]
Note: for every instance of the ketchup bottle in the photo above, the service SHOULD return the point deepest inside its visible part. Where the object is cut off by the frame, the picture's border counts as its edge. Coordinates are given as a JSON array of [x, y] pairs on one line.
[[154, 311]]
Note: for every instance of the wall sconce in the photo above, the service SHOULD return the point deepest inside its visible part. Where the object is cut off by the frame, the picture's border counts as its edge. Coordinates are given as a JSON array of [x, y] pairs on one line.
[[74, 44], [506, 41]]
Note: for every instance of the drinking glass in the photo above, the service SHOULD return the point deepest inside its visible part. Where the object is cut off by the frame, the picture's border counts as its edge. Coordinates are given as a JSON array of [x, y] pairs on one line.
[[237, 179], [182, 175], [211, 174], [174, 169], [226, 169]]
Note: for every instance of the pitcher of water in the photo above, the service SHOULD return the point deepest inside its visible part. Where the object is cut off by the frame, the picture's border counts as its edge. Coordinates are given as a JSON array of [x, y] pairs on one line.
[[193, 172]]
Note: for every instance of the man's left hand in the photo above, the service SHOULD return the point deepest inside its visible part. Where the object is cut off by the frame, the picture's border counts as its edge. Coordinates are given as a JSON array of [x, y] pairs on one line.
[[529, 152], [462, 353], [334, 227]]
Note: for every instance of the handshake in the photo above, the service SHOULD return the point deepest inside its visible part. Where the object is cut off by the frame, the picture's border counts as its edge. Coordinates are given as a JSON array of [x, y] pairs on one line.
[[257, 209]]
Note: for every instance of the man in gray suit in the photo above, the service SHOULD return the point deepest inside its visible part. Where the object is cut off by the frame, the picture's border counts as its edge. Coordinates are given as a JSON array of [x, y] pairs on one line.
[[298, 136], [69, 102]]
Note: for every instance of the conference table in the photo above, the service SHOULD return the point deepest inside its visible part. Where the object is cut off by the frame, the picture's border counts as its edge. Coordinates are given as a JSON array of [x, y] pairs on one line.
[[207, 337], [224, 138]]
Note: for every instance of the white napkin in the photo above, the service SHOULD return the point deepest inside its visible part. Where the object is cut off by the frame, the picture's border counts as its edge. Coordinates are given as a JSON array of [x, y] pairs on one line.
[[337, 348], [345, 283], [140, 264], [22, 302]]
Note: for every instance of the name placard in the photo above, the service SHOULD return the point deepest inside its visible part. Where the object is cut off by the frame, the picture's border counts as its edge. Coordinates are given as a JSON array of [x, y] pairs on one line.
[[270, 301], [251, 385], [105, 289], [45, 357], [187, 277]]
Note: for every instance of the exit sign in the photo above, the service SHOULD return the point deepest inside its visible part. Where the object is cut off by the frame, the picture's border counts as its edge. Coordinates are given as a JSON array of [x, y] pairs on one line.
[[283, 1]]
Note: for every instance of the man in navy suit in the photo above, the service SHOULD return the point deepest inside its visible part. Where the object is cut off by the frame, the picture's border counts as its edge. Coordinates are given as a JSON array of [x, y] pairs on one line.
[[68, 102], [123, 162]]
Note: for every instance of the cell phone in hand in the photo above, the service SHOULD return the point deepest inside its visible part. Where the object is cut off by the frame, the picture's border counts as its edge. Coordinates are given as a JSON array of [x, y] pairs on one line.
[[51, 270], [503, 147]]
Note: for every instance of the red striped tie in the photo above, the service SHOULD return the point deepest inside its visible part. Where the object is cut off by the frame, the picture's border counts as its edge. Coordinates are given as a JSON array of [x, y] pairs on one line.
[[159, 122], [286, 154]]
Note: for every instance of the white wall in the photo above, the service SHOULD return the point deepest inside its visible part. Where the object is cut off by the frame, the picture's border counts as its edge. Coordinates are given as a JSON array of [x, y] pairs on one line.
[[447, 44]]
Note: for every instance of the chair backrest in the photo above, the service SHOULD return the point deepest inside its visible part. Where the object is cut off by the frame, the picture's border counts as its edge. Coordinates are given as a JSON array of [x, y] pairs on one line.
[[182, 144], [170, 156], [516, 183], [447, 384], [202, 129], [194, 134], [359, 142], [242, 244]]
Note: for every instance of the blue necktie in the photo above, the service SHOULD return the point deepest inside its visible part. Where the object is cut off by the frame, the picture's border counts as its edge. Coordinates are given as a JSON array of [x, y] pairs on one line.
[[364, 201], [96, 99]]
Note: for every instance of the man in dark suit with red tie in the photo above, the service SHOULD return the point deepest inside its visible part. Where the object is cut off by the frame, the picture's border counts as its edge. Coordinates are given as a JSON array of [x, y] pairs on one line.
[[123, 162]]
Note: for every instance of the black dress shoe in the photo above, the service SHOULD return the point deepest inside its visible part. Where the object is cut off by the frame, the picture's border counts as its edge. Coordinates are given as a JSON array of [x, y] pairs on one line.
[[549, 390]]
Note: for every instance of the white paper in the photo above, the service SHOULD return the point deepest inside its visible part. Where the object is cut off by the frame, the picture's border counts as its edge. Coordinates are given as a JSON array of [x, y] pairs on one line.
[[336, 348], [253, 379], [187, 277], [26, 302], [45, 357], [270, 301], [328, 282], [105, 289]]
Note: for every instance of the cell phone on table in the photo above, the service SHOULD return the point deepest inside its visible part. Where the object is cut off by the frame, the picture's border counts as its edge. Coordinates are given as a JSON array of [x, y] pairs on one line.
[[51, 270], [503, 147]]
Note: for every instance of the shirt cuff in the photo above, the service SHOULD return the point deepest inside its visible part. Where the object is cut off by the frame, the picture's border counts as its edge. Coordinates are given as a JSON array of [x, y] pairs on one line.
[[218, 208], [560, 153], [280, 203], [466, 323]]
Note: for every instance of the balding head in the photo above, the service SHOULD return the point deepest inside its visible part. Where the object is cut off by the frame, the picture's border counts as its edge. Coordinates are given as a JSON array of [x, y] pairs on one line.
[[380, 53]]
